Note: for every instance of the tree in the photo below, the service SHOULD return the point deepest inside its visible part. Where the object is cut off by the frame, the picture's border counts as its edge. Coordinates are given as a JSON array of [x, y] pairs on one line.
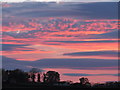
[[17, 75], [44, 77], [4, 76], [33, 73], [84, 82], [38, 77], [51, 77], [33, 77]]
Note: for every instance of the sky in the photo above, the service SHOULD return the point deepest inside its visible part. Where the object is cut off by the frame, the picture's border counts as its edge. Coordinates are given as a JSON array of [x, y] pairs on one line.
[[75, 39], [63, 0]]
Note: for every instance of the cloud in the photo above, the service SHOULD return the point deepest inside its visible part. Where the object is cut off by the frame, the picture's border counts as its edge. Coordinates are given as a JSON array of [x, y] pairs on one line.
[[9, 47], [109, 35], [76, 74], [101, 10], [89, 10], [61, 63], [9, 63], [76, 63], [83, 74], [94, 53], [15, 47], [101, 41]]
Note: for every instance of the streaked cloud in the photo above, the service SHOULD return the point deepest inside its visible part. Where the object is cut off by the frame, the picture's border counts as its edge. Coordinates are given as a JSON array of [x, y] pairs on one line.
[[101, 41], [88, 10], [10, 47], [83, 74], [94, 53], [63, 63]]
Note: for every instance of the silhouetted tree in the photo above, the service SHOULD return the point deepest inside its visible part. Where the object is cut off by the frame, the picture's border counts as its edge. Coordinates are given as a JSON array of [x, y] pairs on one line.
[[44, 77], [84, 82], [51, 77], [38, 77], [4, 76], [112, 84], [69, 81], [33, 77], [17, 75], [33, 72]]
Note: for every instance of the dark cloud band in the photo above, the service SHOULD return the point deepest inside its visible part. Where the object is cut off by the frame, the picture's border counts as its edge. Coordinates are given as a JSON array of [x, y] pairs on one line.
[[83, 74]]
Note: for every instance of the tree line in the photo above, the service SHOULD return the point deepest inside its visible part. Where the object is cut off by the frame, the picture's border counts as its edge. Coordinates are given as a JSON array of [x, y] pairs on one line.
[[49, 78]]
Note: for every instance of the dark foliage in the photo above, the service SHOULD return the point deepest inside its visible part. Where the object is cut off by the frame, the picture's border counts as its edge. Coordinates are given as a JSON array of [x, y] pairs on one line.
[[14, 76], [51, 77], [51, 80]]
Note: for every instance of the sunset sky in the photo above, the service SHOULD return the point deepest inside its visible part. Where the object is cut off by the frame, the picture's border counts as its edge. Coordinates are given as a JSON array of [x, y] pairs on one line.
[[75, 39]]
